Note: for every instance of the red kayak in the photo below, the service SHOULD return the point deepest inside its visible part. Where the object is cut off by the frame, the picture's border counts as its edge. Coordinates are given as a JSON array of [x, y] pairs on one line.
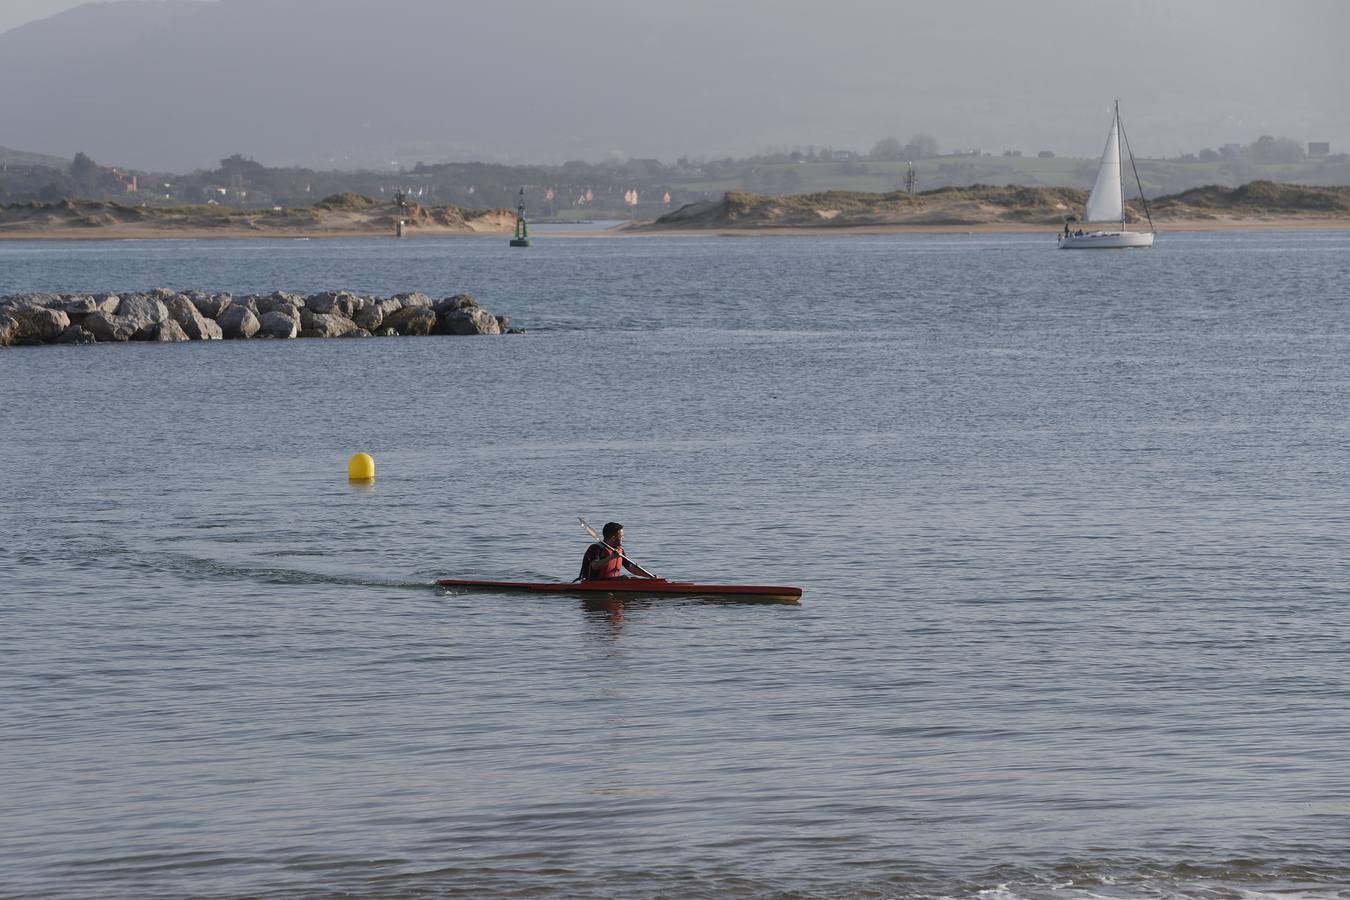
[[777, 592]]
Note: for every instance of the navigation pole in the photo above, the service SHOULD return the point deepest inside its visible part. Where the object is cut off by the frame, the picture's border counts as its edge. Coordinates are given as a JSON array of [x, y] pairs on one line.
[[522, 238]]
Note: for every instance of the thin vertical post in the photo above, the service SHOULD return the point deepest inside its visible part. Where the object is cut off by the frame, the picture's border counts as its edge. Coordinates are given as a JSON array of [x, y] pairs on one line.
[[1120, 168]]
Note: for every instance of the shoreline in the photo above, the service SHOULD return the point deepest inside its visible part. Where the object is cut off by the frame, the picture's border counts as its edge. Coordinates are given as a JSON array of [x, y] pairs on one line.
[[1162, 227], [115, 233], [342, 215]]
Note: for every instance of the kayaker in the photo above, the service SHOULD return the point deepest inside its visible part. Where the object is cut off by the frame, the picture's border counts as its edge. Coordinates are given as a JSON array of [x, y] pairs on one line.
[[605, 558]]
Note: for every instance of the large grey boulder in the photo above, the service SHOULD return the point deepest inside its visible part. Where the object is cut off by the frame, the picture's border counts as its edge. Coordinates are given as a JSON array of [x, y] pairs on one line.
[[461, 314], [314, 324], [142, 316], [343, 303], [71, 304], [107, 303], [24, 301], [33, 301], [238, 322], [471, 320], [106, 328], [412, 320], [374, 311], [210, 331], [370, 316], [458, 301], [211, 305], [195, 325], [291, 297], [78, 307], [43, 324], [75, 334], [9, 328], [280, 302], [278, 324], [32, 325], [413, 300], [170, 332]]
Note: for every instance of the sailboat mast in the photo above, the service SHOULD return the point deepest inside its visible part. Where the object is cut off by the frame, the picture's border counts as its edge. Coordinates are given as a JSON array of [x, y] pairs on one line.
[[1137, 183], [1120, 163]]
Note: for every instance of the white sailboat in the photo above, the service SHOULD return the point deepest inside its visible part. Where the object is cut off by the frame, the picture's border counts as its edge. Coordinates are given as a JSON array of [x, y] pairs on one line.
[[1106, 203]]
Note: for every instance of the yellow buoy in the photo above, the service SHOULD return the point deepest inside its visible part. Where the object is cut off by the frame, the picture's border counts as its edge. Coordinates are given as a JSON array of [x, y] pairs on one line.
[[361, 468]]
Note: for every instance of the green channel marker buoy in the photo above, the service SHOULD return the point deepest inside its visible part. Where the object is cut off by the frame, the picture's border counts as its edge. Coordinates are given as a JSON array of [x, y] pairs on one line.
[[522, 238]]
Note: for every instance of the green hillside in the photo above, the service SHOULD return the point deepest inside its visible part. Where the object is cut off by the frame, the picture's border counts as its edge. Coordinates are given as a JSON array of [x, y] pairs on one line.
[[1005, 206], [1260, 197]]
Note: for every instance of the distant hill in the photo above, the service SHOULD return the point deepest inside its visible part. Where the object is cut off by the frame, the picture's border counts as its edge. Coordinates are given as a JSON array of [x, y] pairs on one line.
[[10, 157], [986, 205], [345, 214], [975, 205], [1258, 198]]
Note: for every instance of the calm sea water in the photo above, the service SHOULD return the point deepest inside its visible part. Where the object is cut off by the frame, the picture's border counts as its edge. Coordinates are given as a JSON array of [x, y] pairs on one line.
[[1072, 530]]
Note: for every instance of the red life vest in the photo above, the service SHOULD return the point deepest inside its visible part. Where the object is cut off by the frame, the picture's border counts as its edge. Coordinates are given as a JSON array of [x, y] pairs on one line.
[[610, 568]]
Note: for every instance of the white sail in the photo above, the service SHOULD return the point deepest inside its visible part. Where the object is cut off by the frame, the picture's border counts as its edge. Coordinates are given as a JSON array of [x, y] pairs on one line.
[[1104, 204]]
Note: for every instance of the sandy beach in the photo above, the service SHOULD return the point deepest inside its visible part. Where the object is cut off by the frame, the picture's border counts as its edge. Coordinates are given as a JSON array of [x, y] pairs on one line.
[[339, 216], [134, 233]]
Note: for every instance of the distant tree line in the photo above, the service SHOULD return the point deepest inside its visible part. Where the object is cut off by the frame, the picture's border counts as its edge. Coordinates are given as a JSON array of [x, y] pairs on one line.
[[921, 146], [574, 189], [1264, 150]]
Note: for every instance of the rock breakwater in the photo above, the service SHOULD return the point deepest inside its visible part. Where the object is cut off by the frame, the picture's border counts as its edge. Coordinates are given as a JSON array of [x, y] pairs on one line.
[[165, 315]]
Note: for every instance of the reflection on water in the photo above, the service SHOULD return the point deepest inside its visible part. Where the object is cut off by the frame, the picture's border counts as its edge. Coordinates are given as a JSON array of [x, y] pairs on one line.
[[605, 611]]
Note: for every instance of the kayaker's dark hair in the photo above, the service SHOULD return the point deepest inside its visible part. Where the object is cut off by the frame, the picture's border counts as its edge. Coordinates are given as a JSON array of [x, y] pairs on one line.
[[611, 529]]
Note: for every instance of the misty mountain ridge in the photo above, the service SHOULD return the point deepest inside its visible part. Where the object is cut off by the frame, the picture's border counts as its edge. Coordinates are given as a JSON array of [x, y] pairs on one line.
[[12, 157], [174, 85]]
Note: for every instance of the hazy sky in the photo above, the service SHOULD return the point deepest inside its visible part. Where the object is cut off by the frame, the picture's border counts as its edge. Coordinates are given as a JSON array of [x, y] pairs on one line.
[[331, 81], [17, 12]]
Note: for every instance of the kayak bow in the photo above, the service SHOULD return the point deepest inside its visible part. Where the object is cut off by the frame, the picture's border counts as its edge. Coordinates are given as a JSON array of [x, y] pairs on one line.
[[777, 592]]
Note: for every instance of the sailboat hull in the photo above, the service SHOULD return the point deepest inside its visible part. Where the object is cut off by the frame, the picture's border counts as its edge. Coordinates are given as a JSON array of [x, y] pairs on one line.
[[1106, 240]]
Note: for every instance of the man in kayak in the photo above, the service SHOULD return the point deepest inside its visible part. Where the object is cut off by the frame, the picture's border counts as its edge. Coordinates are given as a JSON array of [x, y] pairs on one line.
[[605, 559]]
